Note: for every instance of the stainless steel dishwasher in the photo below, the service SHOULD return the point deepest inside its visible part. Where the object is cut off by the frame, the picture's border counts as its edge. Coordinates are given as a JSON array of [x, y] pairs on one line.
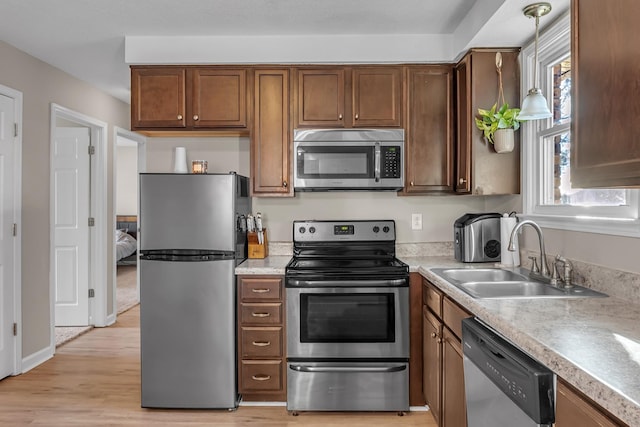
[[504, 386]]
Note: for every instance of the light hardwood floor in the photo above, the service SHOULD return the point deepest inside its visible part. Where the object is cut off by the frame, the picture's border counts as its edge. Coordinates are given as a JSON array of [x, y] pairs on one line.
[[95, 380]]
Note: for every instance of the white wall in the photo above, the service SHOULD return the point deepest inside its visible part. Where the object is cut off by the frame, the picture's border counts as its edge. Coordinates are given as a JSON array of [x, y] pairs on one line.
[[127, 180]]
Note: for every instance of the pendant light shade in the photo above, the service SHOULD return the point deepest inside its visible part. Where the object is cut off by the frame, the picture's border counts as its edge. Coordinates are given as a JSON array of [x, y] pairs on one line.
[[534, 106]]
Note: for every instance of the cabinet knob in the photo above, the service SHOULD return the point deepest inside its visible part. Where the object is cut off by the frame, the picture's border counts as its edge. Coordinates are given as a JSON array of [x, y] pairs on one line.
[[340, 116], [196, 117], [439, 340], [357, 117], [284, 184], [411, 183], [463, 181], [433, 335], [179, 117]]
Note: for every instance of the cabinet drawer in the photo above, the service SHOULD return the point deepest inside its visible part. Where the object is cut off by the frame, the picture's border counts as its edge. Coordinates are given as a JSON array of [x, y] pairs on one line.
[[432, 298], [261, 313], [452, 316], [263, 375], [260, 288], [261, 342]]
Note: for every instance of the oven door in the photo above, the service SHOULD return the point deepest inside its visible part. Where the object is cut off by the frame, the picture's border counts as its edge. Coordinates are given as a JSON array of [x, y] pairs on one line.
[[363, 321]]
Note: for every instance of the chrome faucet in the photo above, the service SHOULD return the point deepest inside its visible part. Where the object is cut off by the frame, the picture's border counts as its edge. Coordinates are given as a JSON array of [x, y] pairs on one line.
[[543, 255]]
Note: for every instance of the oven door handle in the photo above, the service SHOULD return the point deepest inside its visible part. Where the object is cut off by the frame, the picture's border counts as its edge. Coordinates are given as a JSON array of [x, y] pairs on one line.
[[377, 166], [295, 283], [344, 369]]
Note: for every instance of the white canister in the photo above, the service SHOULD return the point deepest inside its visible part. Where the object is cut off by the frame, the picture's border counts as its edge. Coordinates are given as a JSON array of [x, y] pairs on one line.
[[180, 160], [508, 258]]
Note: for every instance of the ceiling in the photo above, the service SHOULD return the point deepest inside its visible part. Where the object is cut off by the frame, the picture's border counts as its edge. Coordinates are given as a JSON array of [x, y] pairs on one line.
[[90, 39]]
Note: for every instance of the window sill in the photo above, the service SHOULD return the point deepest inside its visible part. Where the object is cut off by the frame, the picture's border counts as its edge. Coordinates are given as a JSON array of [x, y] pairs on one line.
[[611, 226]]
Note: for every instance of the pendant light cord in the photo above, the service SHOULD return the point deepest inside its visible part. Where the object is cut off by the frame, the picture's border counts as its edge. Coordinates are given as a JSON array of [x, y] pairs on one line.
[[535, 63]]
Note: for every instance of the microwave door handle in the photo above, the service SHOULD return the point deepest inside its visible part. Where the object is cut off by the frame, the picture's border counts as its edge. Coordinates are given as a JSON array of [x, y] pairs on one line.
[[377, 162]]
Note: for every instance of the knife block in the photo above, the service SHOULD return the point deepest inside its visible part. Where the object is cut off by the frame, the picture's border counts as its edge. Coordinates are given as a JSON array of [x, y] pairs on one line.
[[257, 250]]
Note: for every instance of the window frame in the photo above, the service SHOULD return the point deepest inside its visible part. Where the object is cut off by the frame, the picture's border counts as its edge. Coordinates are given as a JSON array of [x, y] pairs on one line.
[[554, 45]]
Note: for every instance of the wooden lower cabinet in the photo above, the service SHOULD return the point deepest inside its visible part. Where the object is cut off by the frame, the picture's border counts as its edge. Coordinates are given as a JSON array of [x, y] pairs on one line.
[[443, 371], [574, 409], [261, 338]]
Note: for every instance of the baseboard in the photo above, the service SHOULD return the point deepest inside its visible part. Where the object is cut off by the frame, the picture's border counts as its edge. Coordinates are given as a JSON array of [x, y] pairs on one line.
[[37, 358]]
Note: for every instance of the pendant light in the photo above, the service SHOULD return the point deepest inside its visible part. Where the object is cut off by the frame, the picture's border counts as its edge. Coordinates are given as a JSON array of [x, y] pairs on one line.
[[534, 106]]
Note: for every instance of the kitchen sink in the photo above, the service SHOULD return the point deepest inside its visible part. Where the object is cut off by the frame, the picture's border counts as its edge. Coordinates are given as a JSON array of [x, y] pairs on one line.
[[496, 283]]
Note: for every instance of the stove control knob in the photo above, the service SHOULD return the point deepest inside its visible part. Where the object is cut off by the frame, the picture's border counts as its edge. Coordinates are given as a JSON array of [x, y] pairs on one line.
[[302, 230], [376, 229], [385, 229], [312, 230]]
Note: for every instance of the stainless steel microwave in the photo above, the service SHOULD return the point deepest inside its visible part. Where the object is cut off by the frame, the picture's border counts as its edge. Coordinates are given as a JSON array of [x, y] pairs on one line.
[[348, 159]]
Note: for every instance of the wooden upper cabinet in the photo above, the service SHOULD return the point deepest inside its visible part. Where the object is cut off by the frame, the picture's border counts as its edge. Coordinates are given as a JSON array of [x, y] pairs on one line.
[[339, 97], [480, 170], [429, 139], [188, 98], [270, 151], [605, 148], [158, 97], [218, 98], [377, 96], [321, 98]]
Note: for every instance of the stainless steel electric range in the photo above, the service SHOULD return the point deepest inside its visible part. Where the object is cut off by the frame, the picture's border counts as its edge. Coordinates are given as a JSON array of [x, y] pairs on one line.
[[347, 318]]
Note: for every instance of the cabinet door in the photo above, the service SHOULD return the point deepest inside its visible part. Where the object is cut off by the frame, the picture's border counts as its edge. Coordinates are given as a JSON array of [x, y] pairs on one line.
[[270, 154], [429, 138], [463, 130], [454, 409], [321, 98], [604, 144], [574, 410], [158, 98], [432, 365], [377, 94], [218, 98]]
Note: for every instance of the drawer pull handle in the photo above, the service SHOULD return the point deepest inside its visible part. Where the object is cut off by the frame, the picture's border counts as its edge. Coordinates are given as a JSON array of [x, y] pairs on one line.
[[260, 314], [261, 290], [261, 377], [261, 343]]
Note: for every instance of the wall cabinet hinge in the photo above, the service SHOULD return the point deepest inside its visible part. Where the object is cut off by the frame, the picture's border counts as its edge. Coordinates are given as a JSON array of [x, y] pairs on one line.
[[15, 329], [92, 150], [15, 129], [15, 230], [92, 293], [92, 222]]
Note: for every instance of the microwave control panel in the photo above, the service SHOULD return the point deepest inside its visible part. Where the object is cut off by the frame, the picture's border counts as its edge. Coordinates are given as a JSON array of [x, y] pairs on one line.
[[390, 167]]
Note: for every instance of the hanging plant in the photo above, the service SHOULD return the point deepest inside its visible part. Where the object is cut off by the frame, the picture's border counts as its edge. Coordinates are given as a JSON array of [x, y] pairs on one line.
[[492, 120]]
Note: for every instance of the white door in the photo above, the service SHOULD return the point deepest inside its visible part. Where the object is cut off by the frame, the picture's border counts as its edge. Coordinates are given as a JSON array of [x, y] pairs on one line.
[[7, 200], [71, 181]]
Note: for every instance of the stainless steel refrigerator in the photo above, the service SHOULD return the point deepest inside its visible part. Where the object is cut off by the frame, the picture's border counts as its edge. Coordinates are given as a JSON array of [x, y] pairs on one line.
[[193, 235]]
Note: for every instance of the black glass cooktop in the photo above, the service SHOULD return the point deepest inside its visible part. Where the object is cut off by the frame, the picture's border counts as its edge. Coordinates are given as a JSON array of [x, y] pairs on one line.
[[346, 267]]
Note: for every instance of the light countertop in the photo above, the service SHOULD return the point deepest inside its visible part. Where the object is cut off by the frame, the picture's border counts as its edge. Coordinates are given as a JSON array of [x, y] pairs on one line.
[[592, 343]]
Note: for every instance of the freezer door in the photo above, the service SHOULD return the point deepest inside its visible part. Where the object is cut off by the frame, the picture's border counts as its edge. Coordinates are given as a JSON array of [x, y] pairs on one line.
[[188, 212], [188, 334]]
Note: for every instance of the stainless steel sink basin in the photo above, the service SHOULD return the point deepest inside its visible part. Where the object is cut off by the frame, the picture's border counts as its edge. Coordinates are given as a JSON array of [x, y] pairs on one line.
[[495, 283], [479, 275]]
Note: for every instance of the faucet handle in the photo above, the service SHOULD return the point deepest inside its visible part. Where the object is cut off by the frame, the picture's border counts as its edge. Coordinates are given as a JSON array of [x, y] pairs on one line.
[[534, 264], [554, 275]]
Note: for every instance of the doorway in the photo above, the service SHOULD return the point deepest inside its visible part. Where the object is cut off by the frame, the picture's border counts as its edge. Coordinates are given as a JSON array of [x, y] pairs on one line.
[[129, 160], [78, 213]]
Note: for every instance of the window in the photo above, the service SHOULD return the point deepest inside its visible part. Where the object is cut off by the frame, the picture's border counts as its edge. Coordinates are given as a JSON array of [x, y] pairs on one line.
[[548, 196]]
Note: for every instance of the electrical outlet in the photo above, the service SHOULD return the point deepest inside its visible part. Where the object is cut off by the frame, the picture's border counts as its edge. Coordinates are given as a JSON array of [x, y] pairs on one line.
[[416, 221]]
